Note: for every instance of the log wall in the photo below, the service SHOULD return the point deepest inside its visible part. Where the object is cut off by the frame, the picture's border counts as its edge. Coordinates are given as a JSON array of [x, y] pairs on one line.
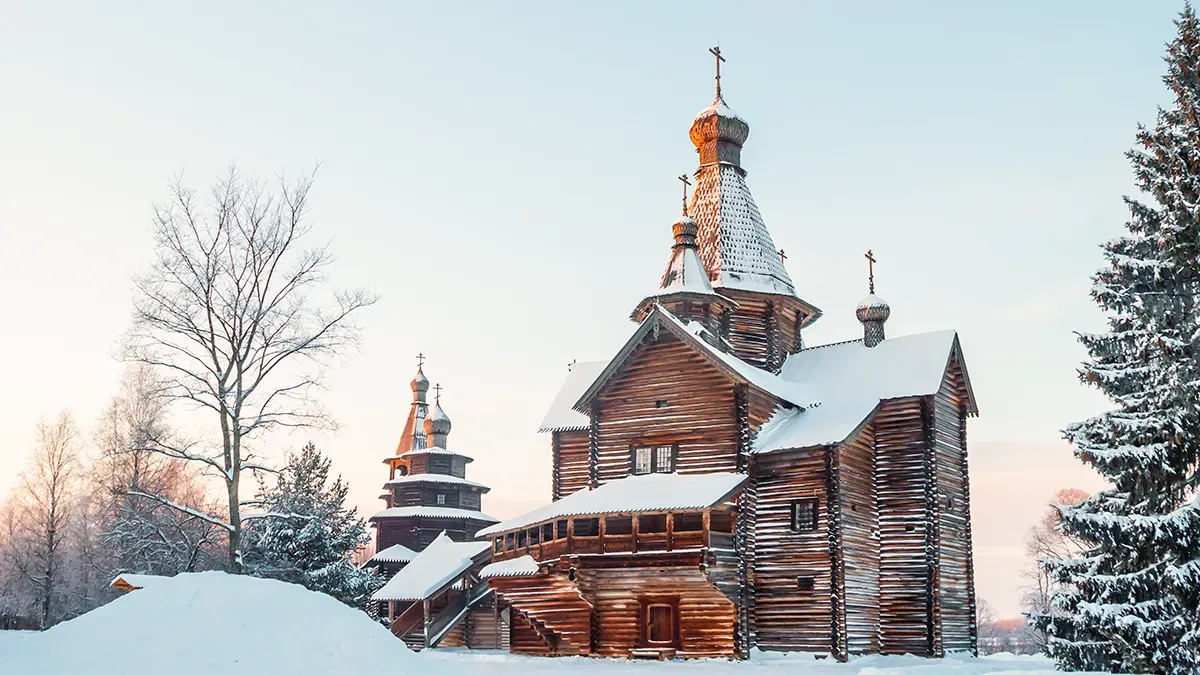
[[704, 615], [787, 617], [698, 417], [900, 485], [762, 330], [859, 542], [570, 453], [956, 590], [551, 606]]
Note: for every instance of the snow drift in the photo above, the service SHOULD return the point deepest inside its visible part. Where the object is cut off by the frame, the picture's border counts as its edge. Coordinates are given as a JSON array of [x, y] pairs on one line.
[[212, 622]]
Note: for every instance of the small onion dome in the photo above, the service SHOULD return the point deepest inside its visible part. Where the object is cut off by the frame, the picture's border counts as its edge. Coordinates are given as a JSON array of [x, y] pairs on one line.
[[420, 383], [718, 122], [437, 422], [685, 230], [873, 308]]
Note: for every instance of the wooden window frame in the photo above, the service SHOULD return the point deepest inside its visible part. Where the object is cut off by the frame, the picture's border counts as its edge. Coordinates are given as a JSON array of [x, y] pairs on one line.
[[654, 449], [811, 504], [440, 498]]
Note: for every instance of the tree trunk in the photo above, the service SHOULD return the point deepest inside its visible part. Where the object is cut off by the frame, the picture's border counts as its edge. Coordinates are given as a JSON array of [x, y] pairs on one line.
[[235, 525]]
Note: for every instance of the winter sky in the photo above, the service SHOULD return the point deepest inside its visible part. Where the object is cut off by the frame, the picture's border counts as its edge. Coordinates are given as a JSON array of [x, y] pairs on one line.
[[503, 175]]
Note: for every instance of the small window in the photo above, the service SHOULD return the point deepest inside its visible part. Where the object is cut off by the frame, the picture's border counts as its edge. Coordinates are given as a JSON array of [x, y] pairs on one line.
[[510, 541], [643, 461], [441, 499], [498, 544], [534, 535], [561, 526], [804, 515], [587, 527], [660, 403], [548, 532], [689, 522], [619, 525], [950, 504], [522, 540], [654, 459], [652, 524], [805, 583]]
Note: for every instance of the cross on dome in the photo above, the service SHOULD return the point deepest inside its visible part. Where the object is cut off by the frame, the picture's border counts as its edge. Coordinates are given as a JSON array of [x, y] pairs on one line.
[[870, 270], [684, 179], [716, 51]]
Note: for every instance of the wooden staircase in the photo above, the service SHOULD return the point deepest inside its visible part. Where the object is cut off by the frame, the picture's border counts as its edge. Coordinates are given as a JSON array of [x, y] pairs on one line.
[[554, 608]]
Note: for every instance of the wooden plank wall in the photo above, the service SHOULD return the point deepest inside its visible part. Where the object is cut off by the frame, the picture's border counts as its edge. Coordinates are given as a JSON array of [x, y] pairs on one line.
[[956, 592], [900, 486], [698, 417], [705, 620], [860, 542], [787, 618], [481, 628], [570, 462]]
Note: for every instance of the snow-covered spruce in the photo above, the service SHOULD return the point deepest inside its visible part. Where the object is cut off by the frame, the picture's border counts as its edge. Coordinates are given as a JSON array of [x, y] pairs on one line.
[[311, 534], [1129, 601]]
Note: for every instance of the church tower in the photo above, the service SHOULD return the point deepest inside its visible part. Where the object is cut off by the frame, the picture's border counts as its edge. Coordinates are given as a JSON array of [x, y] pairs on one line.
[[735, 246], [427, 491]]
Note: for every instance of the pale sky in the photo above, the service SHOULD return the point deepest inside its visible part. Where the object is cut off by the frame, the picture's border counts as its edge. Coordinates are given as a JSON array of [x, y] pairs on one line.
[[503, 175]]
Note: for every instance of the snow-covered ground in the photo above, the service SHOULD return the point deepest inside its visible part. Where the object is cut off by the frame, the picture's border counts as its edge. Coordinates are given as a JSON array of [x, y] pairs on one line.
[[213, 623], [495, 663]]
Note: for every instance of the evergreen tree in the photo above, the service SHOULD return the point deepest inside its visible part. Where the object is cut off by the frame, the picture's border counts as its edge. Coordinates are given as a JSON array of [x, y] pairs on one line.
[[1128, 601], [312, 535]]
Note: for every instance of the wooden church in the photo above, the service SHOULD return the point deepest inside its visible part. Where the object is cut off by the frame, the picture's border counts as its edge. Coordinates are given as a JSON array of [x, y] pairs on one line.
[[719, 486]]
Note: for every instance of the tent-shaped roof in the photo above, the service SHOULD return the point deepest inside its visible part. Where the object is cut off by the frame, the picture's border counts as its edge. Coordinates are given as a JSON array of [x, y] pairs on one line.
[[635, 494], [433, 569]]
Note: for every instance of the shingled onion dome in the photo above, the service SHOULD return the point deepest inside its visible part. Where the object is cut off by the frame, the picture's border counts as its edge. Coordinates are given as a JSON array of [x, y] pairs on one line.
[[685, 289], [873, 312], [437, 426], [718, 134], [420, 384]]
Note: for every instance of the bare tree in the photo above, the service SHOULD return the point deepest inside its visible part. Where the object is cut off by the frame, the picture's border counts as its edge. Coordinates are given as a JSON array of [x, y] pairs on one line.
[[42, 507], [142, 534], [230, 314], [1046, 541]]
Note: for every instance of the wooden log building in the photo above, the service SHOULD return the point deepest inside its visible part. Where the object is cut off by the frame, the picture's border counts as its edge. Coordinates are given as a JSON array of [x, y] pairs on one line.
[[720, 487]]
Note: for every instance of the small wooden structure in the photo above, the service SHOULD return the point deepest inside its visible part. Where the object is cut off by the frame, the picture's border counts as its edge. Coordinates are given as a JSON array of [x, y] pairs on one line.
[[131, 582]]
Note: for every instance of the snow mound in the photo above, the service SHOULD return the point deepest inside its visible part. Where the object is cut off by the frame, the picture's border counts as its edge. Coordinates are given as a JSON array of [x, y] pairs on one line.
[[212, 622]]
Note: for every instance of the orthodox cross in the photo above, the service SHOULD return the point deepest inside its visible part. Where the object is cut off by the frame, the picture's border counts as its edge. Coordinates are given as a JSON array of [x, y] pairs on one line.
[[716, 51], [870, 269], [437, 393], [420, 360], [782, 256], [686, 183]]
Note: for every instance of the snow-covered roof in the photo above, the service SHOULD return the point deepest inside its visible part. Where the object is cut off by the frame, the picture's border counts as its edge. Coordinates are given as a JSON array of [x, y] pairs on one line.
[[525, 566], [396, 553], [562, 416], [440, 478], [437, 451], [634, 494], [135, 581], [845, 382], [432, 570], [433, 512]]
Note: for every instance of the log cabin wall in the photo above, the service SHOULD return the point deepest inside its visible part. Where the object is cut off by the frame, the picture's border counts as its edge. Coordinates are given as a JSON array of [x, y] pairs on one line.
[[762, 330], [957, 610], [704, 615], [789, 616], [551, 607], [666, 394], [859, 542], [417, 533], [900, 486], [570, 462]]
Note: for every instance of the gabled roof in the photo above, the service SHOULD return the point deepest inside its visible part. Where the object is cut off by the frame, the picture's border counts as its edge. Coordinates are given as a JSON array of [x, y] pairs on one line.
[[562, 415], [849, 379], [698, 337], [525, 566], [396, 553], [433, 570], [132, 582], [634, 494]]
